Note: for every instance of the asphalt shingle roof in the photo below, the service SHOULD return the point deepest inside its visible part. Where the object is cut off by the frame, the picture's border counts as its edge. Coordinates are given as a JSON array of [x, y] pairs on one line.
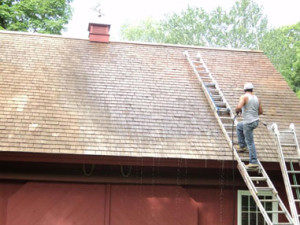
[[63, 95]]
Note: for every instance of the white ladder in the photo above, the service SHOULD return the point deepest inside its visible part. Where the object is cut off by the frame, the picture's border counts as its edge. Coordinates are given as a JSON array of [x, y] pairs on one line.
[[256, 182], [287, 142]]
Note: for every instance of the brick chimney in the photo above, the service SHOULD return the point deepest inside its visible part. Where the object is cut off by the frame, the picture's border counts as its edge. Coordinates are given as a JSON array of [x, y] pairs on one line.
[[99, 32]]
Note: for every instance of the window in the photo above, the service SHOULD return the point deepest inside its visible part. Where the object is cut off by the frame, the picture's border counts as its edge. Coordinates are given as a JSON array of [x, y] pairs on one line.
[[248, 212]]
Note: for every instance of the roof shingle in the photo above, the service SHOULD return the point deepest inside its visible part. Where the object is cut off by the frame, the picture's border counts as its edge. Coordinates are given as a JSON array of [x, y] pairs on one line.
[[62, 95]]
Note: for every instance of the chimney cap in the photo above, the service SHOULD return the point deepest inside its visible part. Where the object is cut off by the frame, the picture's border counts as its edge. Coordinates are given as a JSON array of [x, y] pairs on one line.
[[99, 25]]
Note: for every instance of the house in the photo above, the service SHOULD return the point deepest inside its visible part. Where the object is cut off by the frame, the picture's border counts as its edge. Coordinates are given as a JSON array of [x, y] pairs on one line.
[[113, 133]]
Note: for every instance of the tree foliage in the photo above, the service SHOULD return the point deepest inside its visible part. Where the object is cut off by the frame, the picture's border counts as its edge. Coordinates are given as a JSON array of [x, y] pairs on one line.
[[296, 72], [282, 46], [42, 16], [180, 28], [149, 30], [242, 27], [247, 25]]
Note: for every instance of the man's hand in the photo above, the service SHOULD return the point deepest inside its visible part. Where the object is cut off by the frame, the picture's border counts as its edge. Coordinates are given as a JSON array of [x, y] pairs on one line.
[[238, 111]]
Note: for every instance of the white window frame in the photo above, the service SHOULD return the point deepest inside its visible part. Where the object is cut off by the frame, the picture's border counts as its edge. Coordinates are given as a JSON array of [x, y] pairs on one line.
[[247, 193]]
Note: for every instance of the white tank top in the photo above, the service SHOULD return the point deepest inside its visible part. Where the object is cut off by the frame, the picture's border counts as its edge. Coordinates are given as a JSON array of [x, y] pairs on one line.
[[250, 110]]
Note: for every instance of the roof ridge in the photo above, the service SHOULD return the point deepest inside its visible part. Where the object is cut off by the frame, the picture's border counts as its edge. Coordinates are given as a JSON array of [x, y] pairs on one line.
[[39, 34], [189, 46], [133, 42]]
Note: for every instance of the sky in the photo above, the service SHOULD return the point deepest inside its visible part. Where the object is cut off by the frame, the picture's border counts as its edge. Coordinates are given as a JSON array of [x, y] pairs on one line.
[[117, 12]]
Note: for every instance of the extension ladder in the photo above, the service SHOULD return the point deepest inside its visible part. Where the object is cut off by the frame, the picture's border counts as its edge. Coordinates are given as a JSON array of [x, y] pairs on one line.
[[256, 182], [287, 142]]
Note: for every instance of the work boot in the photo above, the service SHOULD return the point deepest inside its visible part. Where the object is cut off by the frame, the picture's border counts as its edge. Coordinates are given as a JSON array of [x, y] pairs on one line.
[[243, 149], [251, 166]]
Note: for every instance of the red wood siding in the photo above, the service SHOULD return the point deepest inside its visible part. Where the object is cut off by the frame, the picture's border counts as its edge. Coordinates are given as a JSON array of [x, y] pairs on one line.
[[215, 204], [6, 191], [75, 204], [157, 205], [56, 204]]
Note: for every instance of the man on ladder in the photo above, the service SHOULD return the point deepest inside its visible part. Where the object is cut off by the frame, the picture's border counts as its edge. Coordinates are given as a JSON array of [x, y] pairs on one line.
[[251, 108]]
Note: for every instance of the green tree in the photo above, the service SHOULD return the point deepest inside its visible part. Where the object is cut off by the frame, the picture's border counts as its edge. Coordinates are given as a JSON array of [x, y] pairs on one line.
[[42, 16], [242, 27], [246, 25], [189, 27], [282, 46], [295, 77], [149, 30]]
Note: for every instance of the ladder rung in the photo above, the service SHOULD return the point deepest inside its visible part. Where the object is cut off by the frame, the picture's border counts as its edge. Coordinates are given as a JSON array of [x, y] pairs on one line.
[[277, 211], [220, 104], [258, 178], [264, 189], [284, 223], [290, 158], [209, 84], [269, 200], [288, 145], [225, 118], [286, 131], [213, 91], [294, 171], [216, 97], [204, 77], [224, 110], [295, 186], [297, 200], [196, 61]]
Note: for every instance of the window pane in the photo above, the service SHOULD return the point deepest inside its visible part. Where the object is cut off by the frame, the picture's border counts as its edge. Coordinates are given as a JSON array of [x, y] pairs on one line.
[[268, 206], [253, 219], [270, 216], [245, 200], [245, 219], [261, 219], [252, 204]]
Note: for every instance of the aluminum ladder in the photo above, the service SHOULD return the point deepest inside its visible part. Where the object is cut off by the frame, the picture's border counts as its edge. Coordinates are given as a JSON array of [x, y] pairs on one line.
[[287, 143], [257, 180]]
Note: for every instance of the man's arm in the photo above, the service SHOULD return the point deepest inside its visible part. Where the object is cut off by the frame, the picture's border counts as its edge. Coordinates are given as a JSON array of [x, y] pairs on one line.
[[240, 105], [260, 109]]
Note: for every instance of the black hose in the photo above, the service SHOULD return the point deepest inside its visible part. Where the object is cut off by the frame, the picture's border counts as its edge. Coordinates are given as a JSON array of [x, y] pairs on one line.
[[90, 172]]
